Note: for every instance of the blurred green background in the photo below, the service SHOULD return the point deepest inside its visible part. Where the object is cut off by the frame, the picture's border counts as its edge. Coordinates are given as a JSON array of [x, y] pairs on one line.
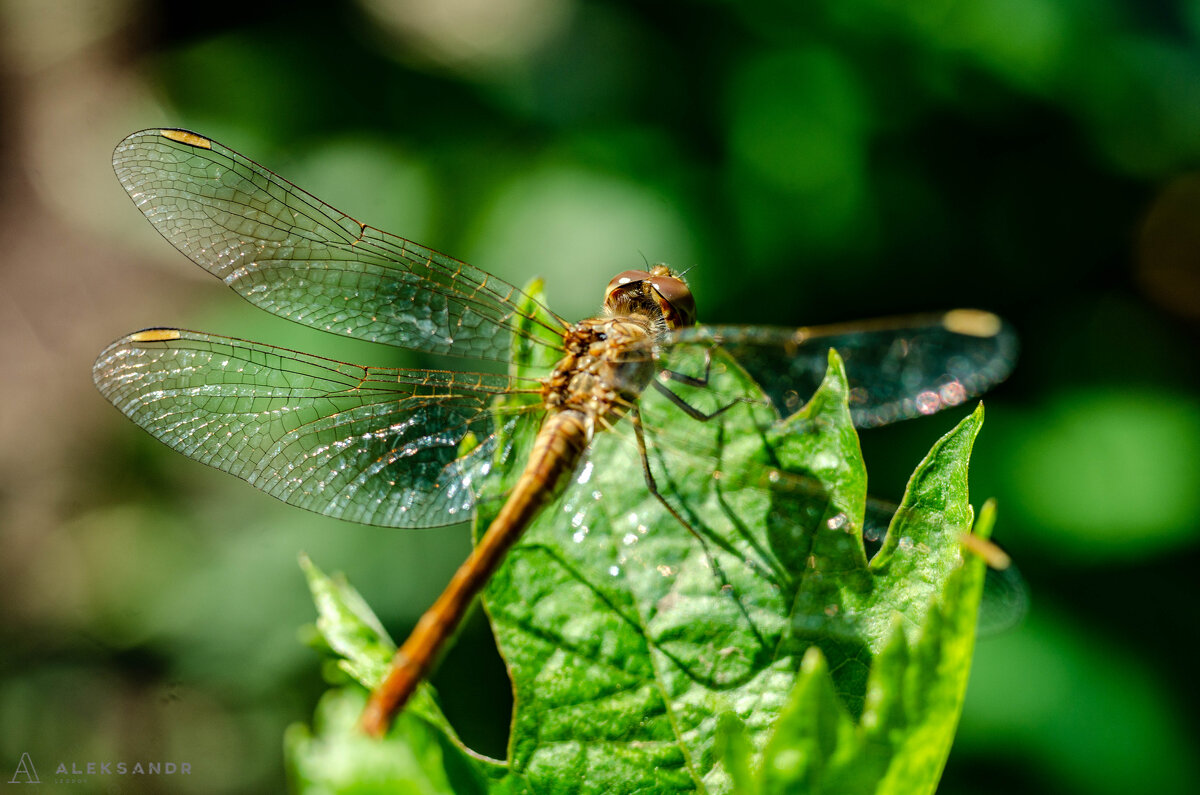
[[810, 162]]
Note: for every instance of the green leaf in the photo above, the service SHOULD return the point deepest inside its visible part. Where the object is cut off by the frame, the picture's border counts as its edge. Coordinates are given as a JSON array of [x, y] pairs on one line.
[[755, 649], [914, 698], [337, 758], [421, 753], [346, 623]]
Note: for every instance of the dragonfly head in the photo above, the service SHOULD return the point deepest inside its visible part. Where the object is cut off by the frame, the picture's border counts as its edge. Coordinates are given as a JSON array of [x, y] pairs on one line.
[[659, 292]]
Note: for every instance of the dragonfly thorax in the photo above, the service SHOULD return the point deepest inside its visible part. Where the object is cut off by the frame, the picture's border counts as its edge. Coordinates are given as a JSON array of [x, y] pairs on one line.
[[608, 364]]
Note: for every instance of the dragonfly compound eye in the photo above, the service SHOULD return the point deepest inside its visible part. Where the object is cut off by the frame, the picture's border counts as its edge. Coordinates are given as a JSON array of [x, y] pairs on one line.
[[658, 289], [624, 283], [675, 300]]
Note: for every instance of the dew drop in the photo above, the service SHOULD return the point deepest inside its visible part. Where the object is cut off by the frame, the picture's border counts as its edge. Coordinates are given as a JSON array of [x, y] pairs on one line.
[[836, 522], [614, 571], [906, 544]]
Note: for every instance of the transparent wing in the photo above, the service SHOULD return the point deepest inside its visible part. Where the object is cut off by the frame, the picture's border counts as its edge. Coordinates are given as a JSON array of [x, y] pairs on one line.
[[374, 445], [898, 368], [291, 254]]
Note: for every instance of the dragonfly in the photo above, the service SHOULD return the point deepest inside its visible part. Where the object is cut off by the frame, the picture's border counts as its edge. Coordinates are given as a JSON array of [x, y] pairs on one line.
[[409, 447]]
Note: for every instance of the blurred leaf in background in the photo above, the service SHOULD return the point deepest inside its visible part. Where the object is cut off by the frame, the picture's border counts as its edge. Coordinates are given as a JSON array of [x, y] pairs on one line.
[[813, 162]]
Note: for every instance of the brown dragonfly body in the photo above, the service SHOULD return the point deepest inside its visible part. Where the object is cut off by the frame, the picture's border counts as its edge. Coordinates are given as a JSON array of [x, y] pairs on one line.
[[595, 384]]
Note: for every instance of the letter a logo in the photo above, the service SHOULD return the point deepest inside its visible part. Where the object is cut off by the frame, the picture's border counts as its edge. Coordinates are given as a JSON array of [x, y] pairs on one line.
[[25, 773]]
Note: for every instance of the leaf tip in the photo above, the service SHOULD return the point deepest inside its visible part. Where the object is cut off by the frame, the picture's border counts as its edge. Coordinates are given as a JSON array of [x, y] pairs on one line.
[[813, 662], [836, 361], [312, 574], [835, 373]]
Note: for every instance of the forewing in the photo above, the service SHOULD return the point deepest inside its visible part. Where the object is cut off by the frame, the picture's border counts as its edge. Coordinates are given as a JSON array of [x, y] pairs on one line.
[[897, 367], [291, 254], [373, 445]]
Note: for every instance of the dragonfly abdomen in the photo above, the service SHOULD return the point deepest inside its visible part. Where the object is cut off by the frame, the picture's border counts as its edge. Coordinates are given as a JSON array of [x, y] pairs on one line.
[[559, 445]]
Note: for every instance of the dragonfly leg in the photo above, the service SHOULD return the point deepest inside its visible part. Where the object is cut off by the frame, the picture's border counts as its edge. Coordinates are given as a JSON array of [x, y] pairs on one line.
[[694, 412], [691, 380], [702, 383], [652, 485]]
